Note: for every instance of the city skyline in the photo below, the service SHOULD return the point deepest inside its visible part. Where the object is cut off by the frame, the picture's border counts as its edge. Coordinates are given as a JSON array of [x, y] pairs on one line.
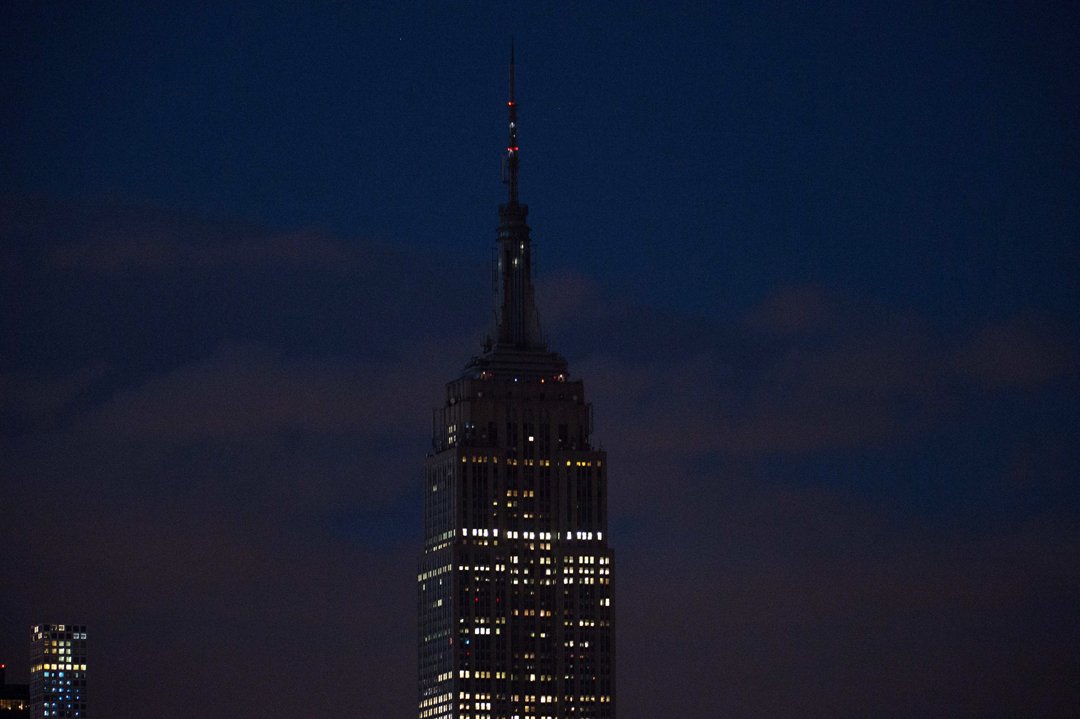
[[816, 264]]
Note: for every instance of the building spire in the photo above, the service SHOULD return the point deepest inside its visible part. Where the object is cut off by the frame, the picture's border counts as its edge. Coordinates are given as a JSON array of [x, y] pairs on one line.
[[512, 143], [517, 324]]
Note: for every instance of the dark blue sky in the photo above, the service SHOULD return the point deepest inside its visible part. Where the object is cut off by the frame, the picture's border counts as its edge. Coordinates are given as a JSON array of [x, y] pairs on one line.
[[919, 154], [818, 265]]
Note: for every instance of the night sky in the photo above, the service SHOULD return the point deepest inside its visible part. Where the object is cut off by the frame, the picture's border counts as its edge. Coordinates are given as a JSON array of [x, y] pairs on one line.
[[817, 263]]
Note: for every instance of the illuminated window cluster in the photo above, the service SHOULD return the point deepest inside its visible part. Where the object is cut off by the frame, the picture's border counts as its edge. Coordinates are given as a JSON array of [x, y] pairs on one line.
[[515, 581], [58, 671]]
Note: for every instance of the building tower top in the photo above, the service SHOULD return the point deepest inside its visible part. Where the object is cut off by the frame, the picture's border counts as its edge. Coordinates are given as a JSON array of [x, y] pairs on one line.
[[518, 339]]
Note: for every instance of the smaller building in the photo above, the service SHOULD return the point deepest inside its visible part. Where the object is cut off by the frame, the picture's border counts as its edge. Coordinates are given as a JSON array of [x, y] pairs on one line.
[[58, 671], [14, 698]]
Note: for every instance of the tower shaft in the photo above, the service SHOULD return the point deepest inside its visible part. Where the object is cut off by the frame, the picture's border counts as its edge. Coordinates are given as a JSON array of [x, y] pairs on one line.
[[515, 582]]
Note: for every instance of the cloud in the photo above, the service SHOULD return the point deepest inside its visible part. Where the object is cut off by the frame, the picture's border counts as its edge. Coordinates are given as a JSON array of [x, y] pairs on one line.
[[851, 378], [798, 530], [803, 400], [244, 391], [119, 239], [565, 297], [811, 603], [32, 401], [1019, 352], [795, 310], [804, 370], [158, 253]]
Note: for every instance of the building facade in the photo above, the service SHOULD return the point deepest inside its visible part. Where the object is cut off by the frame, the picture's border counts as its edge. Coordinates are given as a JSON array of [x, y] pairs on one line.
[[516, 600], [14, 698], [58, 671]]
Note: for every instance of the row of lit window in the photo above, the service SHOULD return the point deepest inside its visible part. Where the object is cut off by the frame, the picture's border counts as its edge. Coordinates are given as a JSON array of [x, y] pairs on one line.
[[439, 712], [514, 559], [510, 534], [481, 459], [468, 674], [436, 706], [483, 620], [441, 698], [441, 634], [529, 580], [45, 628], [433, 572], [532, 613], [54, 667], [539, 698], [52, 676], [516, 534]]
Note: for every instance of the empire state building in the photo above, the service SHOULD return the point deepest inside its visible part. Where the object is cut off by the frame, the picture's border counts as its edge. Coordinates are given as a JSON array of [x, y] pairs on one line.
[[516, 615]]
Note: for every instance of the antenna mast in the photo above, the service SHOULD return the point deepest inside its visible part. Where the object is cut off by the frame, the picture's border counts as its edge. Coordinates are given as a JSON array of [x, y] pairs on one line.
[[511, 143]]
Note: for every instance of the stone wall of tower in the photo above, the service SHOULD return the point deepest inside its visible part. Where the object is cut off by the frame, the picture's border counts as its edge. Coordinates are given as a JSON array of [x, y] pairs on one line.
[[516, 565]]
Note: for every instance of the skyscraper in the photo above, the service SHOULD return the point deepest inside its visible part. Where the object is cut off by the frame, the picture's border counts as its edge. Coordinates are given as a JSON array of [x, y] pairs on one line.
[[515, 580], [58, 671]]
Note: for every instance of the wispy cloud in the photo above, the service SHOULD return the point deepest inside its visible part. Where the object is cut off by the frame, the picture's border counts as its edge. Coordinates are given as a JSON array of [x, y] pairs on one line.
[[159, 253], [1020, 352], [228, 478], [244, 391]]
